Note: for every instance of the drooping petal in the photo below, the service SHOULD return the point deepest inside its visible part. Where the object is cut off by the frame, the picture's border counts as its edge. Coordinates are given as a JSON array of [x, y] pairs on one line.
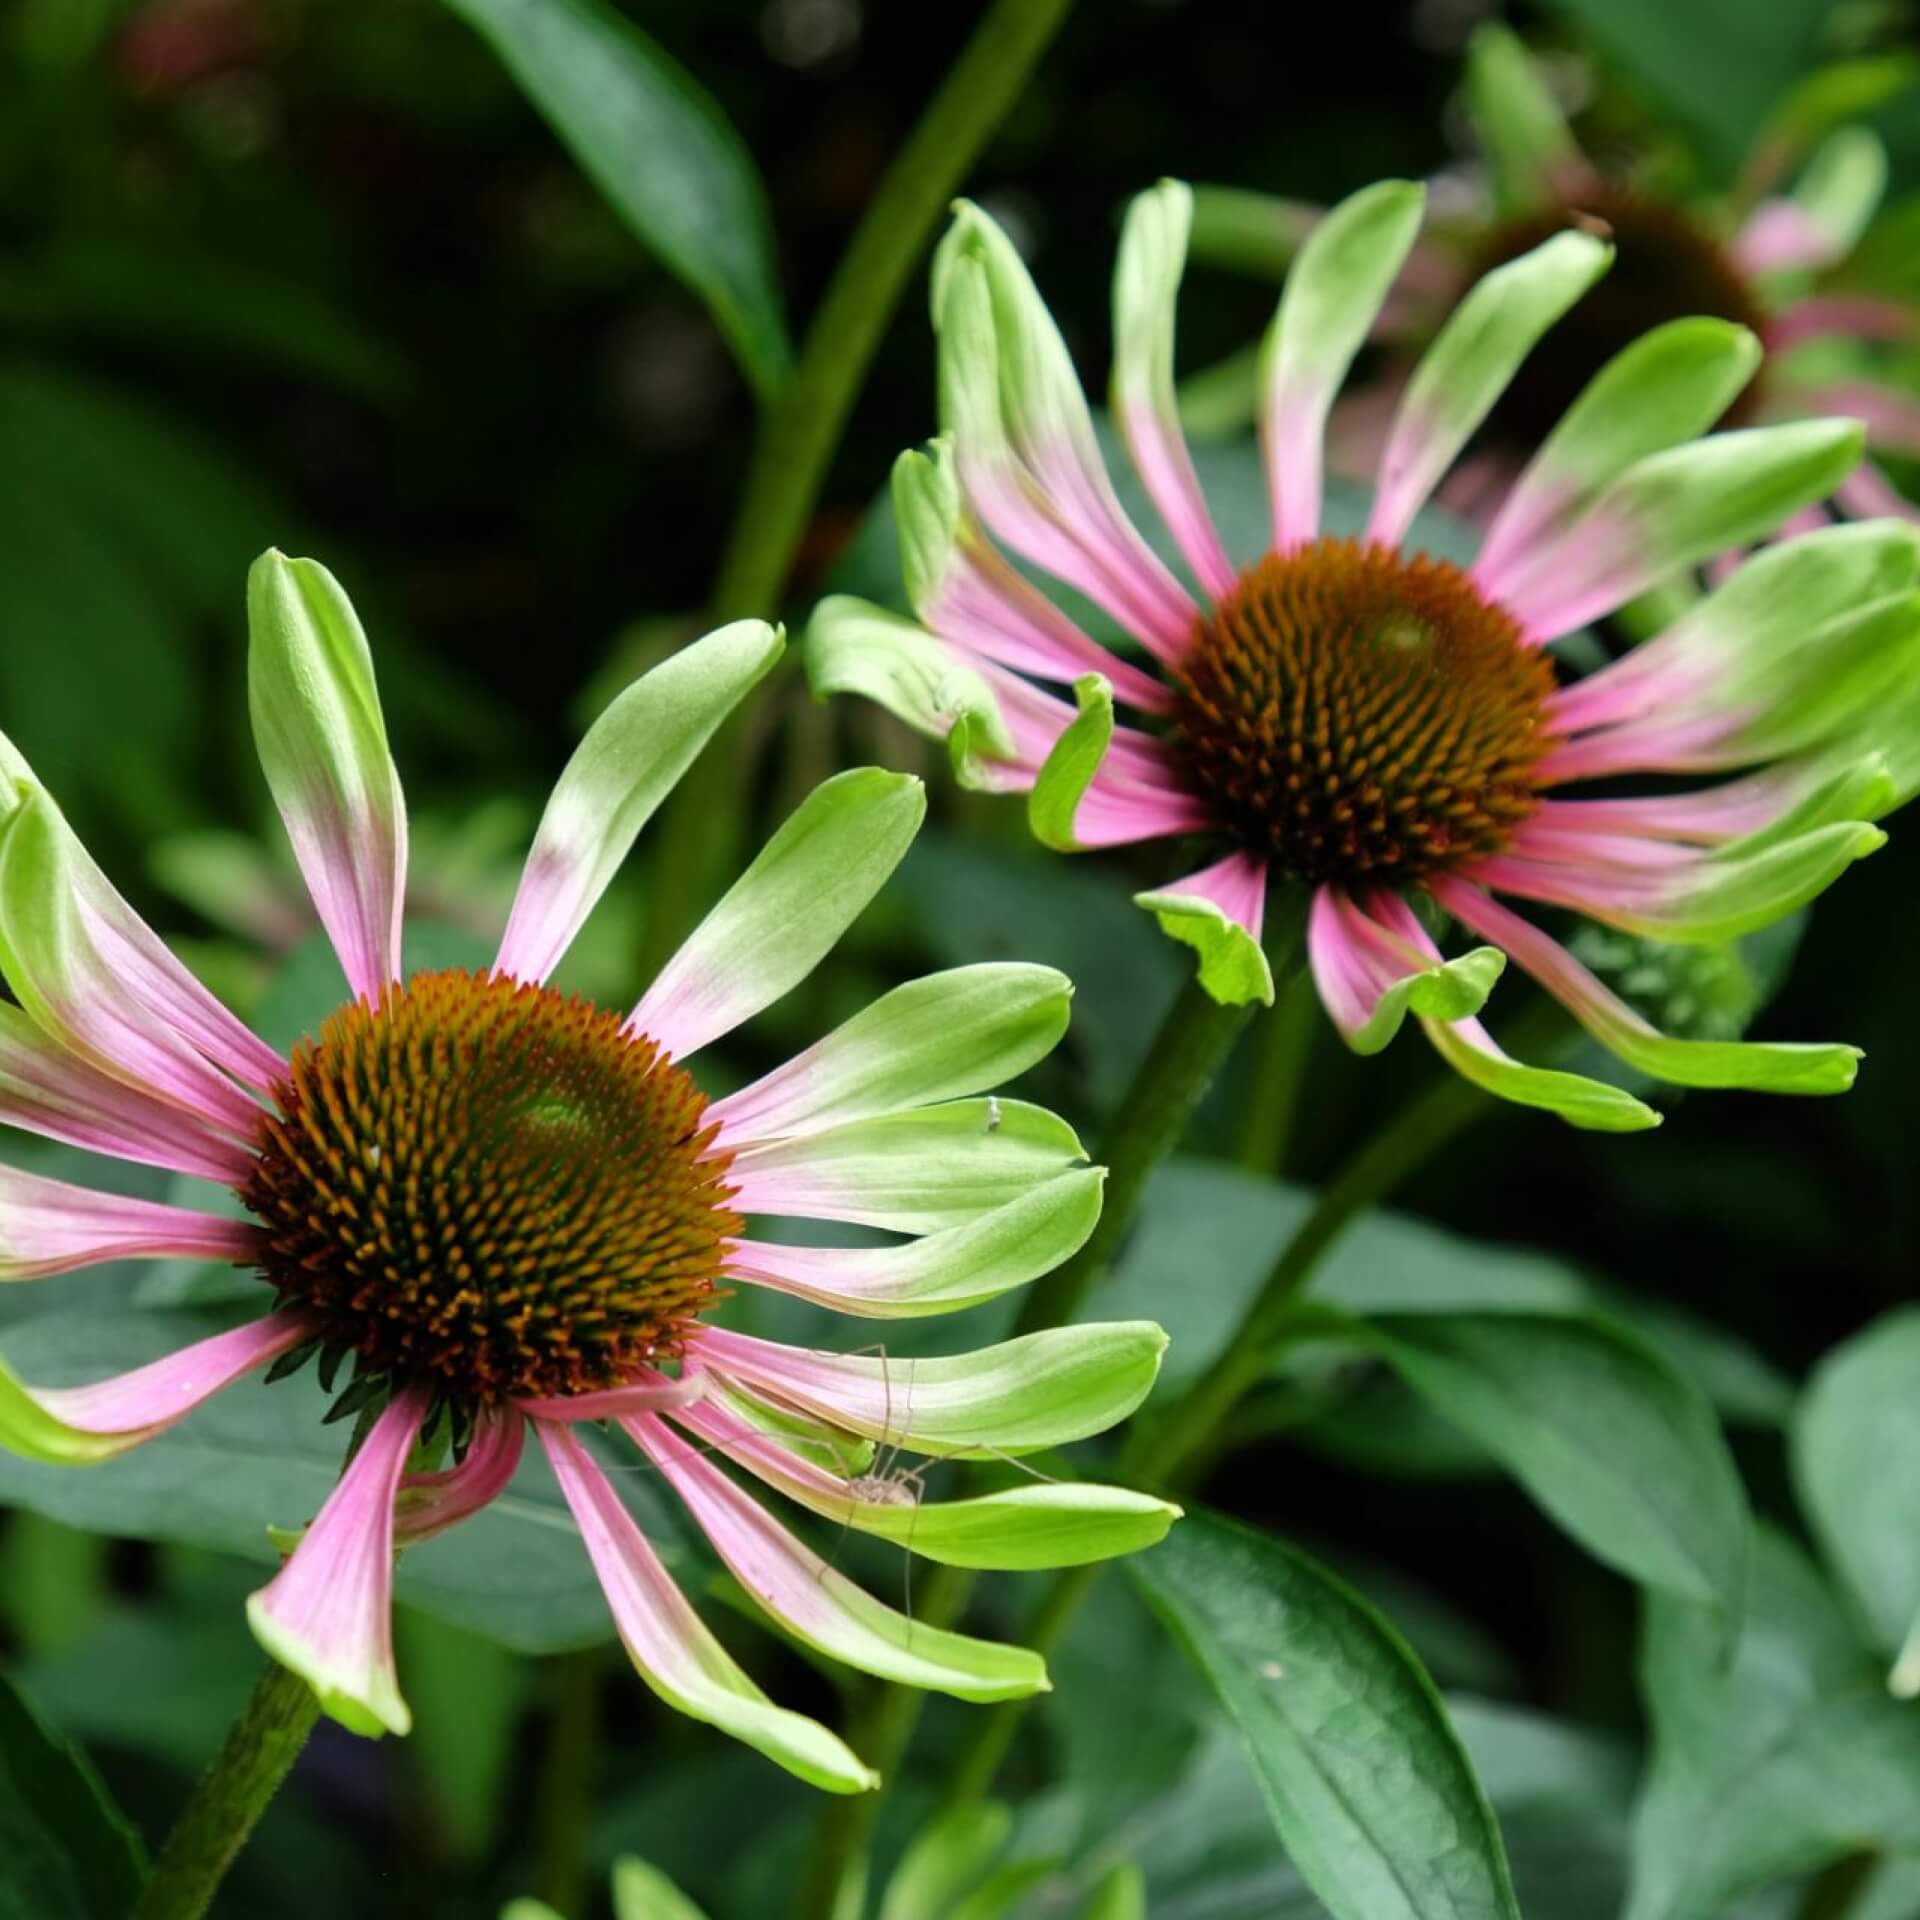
[[430, 1503], [780, 918], [1369, 978], [671, 1646], [1041, 1390], [81, 1426], [1779, 236], [1218, 912], [1468, 367], [1718, 896], [1332, 296], [1867, 491], [1472, 1052], [916, 1172], [1146, 284], [1670, 385], [820, 1605], [965, 591], [1671, 511], [1890, 416], [1046, 1524], [651, 1393], [934, 1039], [1853, 316], [49, 1091], [1768, 1068], [1023, 439], [328, 1613], [87, 986], [48, 1226], [323, 747], [629, 762], [943, 1272], [1104, 785]]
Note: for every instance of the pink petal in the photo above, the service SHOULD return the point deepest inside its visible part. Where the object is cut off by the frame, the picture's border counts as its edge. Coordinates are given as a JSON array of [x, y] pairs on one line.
[[991, 611], [1867, 494], [1599, 891], [48, 1226], [1552, 838], [52, 1092], [1710, 816], [1891, 418], [1778, 235], [1354, 959], [328, 1613], [1652, 745], [1857, 316], [652, 1393], [137, 1405], [1160, 457], [1236, 885], [1293, 437], [430, 1503]]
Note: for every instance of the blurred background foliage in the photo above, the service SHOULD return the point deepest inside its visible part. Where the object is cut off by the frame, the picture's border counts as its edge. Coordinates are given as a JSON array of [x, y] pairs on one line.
[[317, 275]]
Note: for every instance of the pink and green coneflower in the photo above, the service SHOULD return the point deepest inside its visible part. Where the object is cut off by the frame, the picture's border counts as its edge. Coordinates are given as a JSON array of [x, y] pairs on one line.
[[516, 1213], [1377, 729]]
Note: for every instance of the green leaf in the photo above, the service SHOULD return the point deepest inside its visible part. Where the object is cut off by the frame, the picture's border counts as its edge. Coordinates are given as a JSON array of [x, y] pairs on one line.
[[1786, 1760], [1366, 1780], [66, 1852], [642, 1892], [1753, 55], [1856, 1439], [657, 146], [257, 1456], [1617, 1446]]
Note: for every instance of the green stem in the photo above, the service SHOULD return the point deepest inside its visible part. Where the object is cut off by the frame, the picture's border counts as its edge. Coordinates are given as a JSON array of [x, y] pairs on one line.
[[231, 1797], [565, 1793], [803, 423], [1150, 1121], [1285, 1045]]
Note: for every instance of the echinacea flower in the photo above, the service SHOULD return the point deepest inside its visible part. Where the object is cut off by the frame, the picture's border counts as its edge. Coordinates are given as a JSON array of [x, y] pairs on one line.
[[514, 1210], [1781, 264], [1372, 725]]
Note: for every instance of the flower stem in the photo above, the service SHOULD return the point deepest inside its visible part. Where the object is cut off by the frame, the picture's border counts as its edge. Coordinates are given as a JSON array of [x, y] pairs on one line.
[[565, 1794], [1285, 1045], [231, 1797], [803, 422], [1186, 1053], [1150, 1121]]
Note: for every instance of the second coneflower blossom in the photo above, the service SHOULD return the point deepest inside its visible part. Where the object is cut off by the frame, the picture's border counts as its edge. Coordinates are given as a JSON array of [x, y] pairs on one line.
[[1377, 729], [509, 1212]]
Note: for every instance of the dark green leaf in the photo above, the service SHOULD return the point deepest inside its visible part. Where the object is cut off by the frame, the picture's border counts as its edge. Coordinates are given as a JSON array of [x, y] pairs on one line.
[[65, 1851], [1601, 1430], [1856, 1442], [1366, 1780], [1790, 1758], [657, 146]]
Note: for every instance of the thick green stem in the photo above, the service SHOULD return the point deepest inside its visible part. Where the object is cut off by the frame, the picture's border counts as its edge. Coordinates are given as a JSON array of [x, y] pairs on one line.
[[1284, 1046], [565, 1793], [802, 424], [1150, 1121], [231, 1797]]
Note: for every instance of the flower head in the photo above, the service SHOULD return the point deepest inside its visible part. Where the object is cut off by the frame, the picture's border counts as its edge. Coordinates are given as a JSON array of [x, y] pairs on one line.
[[1377, 728], [514, 1212]]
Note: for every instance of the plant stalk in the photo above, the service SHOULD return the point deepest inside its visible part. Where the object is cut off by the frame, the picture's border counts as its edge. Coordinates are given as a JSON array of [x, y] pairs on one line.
[[232, 1795], [802, 424]]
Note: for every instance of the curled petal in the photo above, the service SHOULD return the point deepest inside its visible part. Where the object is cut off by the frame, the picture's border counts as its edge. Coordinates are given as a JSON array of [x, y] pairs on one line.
[[80, 1426], [671, 1646], [820, 1605], [1369, 977], [48, 1226], [328, 1614], [430, 1503], [1218, 912]]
